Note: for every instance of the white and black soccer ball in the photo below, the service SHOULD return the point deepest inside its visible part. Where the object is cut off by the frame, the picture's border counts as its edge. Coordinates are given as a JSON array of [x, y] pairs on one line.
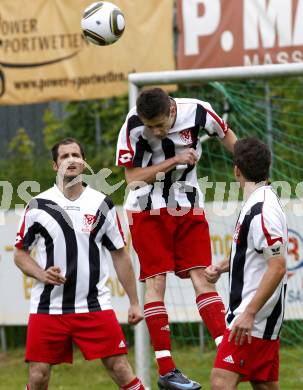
[[102, 23]]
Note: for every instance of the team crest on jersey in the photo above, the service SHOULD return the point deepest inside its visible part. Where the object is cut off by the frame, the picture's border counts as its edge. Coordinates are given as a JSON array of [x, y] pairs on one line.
[[236, 233], [185, 136], [88, 221]]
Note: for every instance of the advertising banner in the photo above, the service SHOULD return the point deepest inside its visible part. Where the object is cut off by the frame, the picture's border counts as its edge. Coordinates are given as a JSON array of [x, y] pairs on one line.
[[44, 56], [221, 33]]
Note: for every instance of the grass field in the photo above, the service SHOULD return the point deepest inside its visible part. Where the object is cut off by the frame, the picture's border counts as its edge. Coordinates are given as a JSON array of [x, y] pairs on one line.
[[91, 375]]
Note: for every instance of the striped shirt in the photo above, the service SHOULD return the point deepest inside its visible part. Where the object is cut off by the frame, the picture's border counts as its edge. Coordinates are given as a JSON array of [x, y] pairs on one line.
[[74, 236], [261, 226], [138, 147]]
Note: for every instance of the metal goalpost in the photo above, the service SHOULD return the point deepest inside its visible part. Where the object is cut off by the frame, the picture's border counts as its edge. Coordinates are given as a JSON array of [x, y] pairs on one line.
[[138, 80]]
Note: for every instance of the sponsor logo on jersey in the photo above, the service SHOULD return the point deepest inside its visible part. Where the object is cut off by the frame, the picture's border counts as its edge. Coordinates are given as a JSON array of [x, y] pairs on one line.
[[185, 136], [76, 208], [122, 344], [18, 239], [88, 222], [125, 157], [276, 251]]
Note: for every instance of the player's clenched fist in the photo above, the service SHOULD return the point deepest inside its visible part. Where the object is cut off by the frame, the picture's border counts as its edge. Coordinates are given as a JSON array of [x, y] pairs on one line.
[[134, 314], [212, 273], [188, 156]]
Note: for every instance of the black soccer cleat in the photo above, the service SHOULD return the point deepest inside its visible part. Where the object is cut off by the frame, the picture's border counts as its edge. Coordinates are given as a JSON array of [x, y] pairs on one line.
[[175, 380]]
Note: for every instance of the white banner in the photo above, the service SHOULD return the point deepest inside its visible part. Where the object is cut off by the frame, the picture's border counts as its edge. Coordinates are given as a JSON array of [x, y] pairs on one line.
[[15, 288]]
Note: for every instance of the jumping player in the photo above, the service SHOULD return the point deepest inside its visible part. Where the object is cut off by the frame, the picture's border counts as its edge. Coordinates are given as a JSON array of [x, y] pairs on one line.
[[159, 147]]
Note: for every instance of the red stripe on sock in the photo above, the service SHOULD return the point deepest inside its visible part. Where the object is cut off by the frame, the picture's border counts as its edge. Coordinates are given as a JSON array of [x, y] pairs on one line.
[[135, 384], [212, 312], [157, 323]]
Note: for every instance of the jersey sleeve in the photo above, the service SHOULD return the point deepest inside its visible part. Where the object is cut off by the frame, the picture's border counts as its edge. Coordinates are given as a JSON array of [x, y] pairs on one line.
[[269, 231], [133, 149], [27, 234], [112, 237], [213, 124]]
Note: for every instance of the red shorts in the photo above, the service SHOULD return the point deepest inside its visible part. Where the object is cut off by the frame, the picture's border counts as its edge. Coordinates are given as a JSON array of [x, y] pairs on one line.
[[258, 361], [50, 337], [166, 242]]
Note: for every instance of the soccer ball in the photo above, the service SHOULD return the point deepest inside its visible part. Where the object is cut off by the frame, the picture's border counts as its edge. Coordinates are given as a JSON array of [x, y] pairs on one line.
[[102, 23]]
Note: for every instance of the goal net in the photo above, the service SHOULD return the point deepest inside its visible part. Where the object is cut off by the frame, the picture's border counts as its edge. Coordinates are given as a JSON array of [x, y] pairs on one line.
[[267, 102]]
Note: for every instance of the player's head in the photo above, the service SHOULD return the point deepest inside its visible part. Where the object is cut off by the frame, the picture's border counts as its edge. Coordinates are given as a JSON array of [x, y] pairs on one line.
[[68, 158], [157, 111], [252, 159]]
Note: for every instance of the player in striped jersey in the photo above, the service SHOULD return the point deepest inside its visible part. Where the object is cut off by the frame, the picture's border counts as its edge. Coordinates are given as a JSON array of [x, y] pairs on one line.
[[71, 226], [249, 350], [159, 147]]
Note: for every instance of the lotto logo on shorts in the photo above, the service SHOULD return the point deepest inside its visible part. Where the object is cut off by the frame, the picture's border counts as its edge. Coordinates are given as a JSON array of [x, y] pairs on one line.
[[125, 158]]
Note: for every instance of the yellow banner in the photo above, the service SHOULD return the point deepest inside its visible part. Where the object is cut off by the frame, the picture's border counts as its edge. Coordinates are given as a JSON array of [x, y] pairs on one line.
[[43, 55]]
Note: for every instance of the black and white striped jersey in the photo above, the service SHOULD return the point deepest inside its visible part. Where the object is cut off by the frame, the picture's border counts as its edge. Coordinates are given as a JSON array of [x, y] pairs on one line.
[[261, 229], [73, 235], [138, 147]]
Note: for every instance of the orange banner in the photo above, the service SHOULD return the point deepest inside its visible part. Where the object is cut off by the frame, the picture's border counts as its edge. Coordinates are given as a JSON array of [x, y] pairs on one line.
[[219, 33], [43, 55]]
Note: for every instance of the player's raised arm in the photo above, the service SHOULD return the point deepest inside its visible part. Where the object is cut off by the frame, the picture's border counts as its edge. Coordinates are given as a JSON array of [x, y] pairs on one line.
[[229, 140], [216, 126]]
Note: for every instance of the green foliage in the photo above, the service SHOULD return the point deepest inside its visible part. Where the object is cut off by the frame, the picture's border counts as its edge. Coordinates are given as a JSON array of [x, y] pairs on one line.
[[96, 125], [248, 104], [53, 130], [20, 162]]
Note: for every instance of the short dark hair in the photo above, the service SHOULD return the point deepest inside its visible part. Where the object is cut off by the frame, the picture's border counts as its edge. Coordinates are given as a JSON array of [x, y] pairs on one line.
[[66, 141], [253, 158], [152, 103]]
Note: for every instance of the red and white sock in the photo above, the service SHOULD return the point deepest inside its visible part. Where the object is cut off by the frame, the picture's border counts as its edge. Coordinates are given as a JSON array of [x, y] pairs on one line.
[[212, 312], [135, 384], [157, 323]]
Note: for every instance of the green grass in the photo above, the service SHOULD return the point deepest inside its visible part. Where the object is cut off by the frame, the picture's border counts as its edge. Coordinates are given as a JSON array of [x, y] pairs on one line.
[[84, 375]]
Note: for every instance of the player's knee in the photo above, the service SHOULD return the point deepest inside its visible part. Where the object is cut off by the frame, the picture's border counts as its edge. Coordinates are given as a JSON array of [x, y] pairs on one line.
[[201, 285], [155, 287], [121, 369], [38, 377], [217, 382]]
